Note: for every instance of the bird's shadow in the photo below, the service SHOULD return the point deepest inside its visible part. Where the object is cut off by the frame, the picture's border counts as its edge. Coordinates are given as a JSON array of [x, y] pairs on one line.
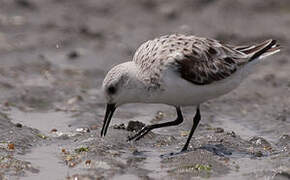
[[216, 149]]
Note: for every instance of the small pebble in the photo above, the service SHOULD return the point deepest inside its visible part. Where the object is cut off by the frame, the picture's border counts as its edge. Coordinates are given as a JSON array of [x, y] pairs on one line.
[[53, 130], [71, 164], [83, 130], [184, 133], [259, 141], [94, 127], [73, 54], [119, 126], [159, 116], [258, 154], [219, 130], [88, 162], [89, 32], [18, 125], [135, 126], [11, 146], [233, 134]]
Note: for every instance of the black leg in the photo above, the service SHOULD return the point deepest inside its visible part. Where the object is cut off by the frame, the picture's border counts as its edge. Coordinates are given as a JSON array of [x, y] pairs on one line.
[[196, 120], [146, 129]]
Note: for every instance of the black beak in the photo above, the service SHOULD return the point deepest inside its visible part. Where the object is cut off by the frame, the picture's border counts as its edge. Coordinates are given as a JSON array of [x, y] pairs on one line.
[[109, 114]]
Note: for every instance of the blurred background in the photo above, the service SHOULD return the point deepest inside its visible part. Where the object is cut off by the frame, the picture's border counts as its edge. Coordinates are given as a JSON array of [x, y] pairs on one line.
[[100, 34], [54, 55]]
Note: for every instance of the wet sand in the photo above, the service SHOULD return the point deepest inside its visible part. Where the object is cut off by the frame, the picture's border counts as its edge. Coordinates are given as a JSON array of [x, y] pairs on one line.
[[55, 54]]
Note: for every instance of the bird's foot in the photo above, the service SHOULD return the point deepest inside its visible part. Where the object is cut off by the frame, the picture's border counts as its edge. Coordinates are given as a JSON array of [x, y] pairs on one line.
[[140, 133]]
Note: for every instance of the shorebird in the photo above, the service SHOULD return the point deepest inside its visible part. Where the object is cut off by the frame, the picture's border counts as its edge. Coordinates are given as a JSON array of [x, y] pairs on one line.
[[180, 70]]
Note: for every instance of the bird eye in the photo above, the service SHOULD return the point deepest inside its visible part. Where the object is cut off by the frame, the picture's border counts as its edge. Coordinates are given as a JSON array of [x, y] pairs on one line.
[[111, 90]]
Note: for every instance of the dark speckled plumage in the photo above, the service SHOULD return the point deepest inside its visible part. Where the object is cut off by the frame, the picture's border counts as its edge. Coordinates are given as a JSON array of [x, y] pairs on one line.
[[198, 60]]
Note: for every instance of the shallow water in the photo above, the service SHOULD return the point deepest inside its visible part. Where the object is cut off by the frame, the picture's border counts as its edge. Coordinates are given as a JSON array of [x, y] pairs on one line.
[[43, 121], [46, 160]]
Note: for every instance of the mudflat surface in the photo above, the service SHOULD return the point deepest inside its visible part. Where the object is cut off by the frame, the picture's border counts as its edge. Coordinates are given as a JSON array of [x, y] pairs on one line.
[[54, 55]]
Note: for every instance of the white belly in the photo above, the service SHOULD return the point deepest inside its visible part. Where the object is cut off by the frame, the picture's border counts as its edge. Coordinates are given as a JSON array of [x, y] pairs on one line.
[[178, 91]]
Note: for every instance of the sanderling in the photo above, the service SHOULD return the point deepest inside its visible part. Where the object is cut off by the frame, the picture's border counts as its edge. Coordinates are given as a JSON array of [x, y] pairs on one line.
[[180, 70]]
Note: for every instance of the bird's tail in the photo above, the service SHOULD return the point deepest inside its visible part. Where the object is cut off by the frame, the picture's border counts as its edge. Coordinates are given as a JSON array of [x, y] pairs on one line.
[[261, 50]]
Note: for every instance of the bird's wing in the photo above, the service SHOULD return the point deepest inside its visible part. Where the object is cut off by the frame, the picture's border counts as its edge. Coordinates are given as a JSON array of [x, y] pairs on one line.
[[212, 61], [198, 60], [209, 61]]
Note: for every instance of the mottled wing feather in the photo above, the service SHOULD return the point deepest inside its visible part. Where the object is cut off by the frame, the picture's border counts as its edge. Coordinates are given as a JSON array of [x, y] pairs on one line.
[[211, 62], [206, 72], [198, 60]]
